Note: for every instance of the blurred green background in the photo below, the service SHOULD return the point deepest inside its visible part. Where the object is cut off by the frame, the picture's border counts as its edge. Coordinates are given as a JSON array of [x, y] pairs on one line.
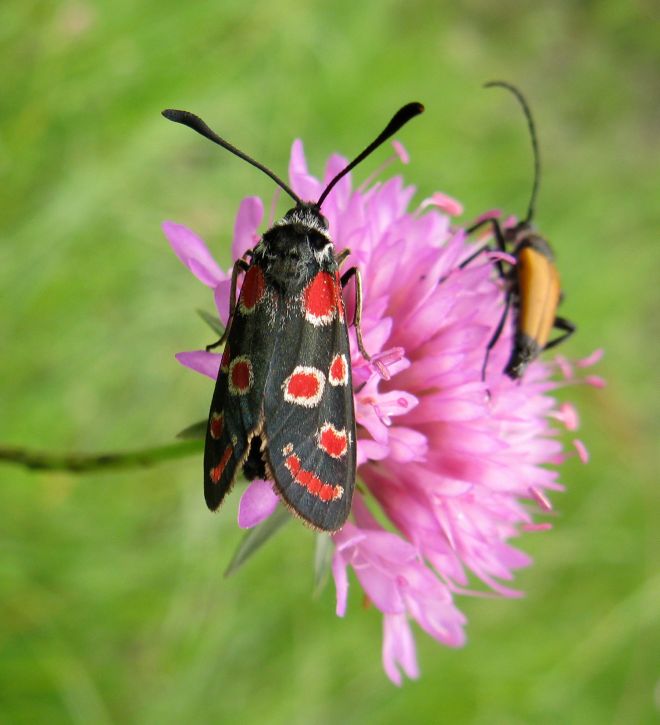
[[113, 607]]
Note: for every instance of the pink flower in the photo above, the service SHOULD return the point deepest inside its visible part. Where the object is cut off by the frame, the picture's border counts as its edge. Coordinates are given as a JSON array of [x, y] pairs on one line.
[[457, 473]]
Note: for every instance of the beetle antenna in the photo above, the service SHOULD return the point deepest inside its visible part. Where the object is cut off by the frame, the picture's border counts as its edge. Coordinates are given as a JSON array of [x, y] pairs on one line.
[[196, 123], [400, 118], [535, 144]]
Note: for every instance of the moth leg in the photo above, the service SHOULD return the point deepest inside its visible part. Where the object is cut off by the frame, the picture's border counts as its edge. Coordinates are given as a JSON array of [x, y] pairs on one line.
[[357, 321], [566, 326], [496, 336], [239, 266], [341, 257]]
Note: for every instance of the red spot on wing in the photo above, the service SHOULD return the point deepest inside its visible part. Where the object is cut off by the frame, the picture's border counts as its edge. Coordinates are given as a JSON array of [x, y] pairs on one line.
[[216, 425], [254, 286], [324, 491], [304, 386], [321, 299], [334, 442], [216, 472], [241, 375], [338, 372]]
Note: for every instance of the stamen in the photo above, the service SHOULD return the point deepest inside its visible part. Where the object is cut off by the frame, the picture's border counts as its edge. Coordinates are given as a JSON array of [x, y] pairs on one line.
[[583, 453], [537, 527], [595, 357], [541, 499], [595, 381], [444, 202], [371, 179]]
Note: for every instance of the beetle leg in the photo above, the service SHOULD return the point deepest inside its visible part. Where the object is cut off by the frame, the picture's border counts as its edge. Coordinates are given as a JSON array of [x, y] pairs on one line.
[[566, 326], [499, 238], [497, 231], [355, 272], [496, 335], [240, 266], [474, 255]]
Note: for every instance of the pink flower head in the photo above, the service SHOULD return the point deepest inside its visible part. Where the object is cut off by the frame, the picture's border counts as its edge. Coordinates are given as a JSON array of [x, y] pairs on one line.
[[456, 468]]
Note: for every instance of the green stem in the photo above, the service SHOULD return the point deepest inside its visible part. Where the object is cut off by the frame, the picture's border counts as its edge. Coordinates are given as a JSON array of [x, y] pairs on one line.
[[82, 462]]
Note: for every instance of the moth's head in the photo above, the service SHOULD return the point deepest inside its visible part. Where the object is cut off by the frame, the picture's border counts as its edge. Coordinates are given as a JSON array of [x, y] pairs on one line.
[[306, 215], [302, 232]]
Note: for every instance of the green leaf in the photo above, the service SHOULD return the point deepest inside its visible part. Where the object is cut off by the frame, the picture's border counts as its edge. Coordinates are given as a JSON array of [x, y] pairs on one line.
[[255, 538], [322, 562], [196, 431], [212, 321]]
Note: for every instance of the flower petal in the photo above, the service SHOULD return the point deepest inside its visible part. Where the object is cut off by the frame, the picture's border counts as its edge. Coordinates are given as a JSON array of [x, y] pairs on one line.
[[221, 296], [341, 581], [192, 251], [407, 444], [398, 648], [257, 503], [305, 185], [201, 361], [248, 220]]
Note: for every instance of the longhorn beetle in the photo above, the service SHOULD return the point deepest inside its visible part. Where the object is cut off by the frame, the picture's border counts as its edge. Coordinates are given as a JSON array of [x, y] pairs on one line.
[[532, 284], [283, 402]]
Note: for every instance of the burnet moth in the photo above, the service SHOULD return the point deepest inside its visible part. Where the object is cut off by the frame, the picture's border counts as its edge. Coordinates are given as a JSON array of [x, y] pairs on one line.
[[533, 289], [283, 402]]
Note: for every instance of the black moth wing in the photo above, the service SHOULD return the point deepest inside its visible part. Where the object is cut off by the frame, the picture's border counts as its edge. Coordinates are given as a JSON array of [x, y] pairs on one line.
[[310, 431], [236, 414]]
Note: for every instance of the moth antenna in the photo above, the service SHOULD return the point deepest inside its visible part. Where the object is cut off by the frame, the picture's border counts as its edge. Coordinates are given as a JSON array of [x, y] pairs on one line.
[[535, 144], [400, 118], [196, 123]]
